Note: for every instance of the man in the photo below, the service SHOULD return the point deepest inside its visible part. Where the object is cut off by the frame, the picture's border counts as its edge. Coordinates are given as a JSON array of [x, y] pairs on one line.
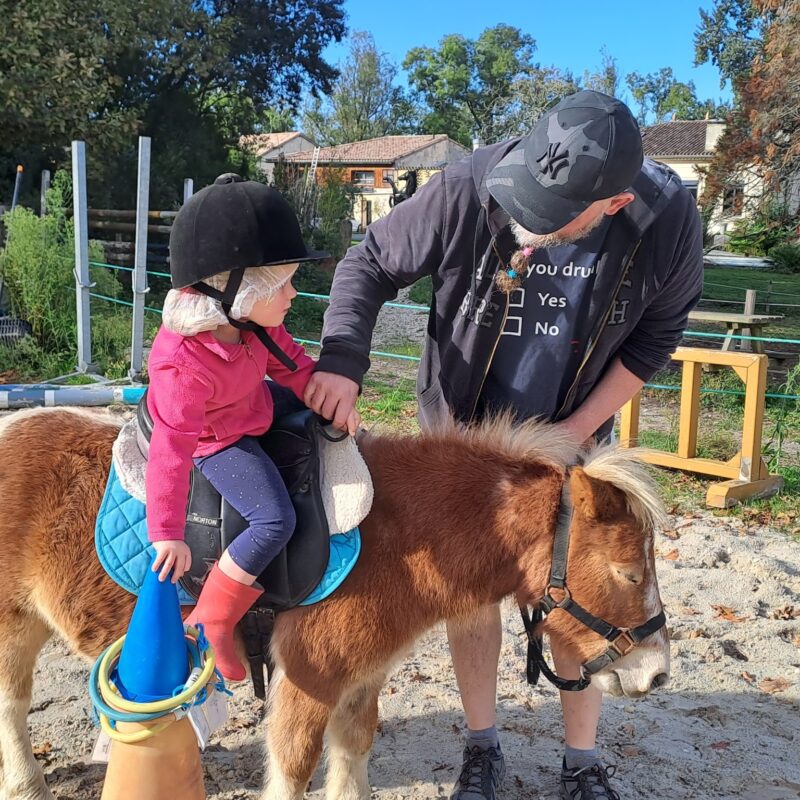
[[564, 267]]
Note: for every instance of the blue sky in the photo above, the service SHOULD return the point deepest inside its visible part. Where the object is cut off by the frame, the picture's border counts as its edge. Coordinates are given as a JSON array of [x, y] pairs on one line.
[[643, 35]]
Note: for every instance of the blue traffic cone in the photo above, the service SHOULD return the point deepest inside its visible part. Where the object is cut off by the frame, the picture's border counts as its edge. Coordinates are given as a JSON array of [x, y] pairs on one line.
[[154, 658]]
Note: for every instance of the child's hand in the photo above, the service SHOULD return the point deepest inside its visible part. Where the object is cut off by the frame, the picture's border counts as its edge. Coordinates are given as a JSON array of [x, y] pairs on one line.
[[353, 421], [172, 555]]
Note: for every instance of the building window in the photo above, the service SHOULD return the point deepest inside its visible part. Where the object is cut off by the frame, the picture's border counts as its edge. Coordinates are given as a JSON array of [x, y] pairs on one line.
[[733, 200], [387, 173], [691, 186], [362, 177]]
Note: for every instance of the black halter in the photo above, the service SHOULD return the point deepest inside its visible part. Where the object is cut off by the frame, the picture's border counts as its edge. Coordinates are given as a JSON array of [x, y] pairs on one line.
[[226, 299], [622, 640]]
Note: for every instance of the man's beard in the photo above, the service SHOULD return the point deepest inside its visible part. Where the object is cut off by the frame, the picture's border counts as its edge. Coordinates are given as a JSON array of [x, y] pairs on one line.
[[536, 240]]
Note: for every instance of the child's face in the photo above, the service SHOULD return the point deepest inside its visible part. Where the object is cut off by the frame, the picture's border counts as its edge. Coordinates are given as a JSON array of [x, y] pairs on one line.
[[271, 312]]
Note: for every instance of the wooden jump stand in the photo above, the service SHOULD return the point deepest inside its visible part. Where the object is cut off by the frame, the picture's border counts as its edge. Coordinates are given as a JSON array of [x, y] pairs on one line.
[[747, 474]]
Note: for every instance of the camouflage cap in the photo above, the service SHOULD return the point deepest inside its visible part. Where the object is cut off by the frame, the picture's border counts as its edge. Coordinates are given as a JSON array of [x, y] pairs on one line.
[[586, 148]]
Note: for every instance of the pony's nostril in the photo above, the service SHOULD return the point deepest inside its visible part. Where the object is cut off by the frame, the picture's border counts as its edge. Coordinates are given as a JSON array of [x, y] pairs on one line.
[[659, 680]]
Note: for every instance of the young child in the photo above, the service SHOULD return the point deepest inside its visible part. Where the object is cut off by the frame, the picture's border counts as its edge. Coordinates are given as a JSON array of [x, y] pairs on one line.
[[234, 247]]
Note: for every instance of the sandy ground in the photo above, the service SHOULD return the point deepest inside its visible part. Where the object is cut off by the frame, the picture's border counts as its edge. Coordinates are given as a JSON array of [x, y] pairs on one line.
[[727, 726]]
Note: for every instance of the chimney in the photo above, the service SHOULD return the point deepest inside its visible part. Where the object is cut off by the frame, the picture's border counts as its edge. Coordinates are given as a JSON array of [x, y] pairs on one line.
[[714, 129]]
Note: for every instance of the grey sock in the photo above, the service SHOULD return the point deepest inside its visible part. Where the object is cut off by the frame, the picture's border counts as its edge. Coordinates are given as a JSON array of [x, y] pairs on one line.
[[578, 759], [485, 738]]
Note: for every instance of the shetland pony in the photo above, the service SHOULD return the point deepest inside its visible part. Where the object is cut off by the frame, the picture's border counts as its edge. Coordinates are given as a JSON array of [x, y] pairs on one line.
[[461, 518]]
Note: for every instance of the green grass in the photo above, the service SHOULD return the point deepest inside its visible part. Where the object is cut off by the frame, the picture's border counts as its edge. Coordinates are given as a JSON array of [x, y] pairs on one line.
[[422, 291], [389, 402]]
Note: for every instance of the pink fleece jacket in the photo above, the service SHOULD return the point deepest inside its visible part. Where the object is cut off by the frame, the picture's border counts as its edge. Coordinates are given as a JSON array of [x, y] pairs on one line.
[[203, 396]]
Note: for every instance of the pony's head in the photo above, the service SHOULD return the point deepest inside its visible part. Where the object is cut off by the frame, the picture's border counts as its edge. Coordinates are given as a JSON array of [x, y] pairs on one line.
[[611, 572]]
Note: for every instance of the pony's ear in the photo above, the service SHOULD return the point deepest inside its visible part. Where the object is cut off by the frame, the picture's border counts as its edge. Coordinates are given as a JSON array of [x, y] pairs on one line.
[[597, 500]]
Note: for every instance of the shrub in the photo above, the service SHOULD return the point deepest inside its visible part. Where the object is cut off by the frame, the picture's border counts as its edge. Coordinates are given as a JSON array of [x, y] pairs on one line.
[[786, 257]]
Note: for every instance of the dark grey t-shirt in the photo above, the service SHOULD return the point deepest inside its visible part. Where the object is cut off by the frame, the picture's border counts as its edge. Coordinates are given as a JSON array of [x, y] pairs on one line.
[[542, 343]]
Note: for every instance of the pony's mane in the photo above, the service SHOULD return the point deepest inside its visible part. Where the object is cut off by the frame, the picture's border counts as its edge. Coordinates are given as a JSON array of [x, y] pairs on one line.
[[532, 440], [623, 468], [537, 441]]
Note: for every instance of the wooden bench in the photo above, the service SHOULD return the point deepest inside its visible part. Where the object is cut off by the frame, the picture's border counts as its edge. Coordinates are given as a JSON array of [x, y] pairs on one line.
[[738, 325]]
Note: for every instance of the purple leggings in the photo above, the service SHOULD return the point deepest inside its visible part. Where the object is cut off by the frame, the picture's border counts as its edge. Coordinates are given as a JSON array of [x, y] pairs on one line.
[[246, 477]]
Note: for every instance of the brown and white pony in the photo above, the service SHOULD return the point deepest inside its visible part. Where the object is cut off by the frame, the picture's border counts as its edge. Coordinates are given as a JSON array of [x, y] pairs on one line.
[[461, 519]]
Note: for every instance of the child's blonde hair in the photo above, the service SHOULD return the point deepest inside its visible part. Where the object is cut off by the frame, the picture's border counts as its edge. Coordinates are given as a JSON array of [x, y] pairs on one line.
[[188, 312]]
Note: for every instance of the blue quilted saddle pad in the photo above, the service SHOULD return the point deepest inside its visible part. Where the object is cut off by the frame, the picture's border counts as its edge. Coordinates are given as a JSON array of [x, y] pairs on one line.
[[121, 541]]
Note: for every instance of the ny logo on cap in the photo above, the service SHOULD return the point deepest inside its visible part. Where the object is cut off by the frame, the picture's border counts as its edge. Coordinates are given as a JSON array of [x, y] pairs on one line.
[[552, 160]]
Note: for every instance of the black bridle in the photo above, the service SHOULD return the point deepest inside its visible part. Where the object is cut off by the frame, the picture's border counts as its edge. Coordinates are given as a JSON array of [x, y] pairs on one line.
[[622, 640]]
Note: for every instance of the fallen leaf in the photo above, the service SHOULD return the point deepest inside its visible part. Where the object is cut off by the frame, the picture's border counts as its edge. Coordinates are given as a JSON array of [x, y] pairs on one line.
[[787, 612], [673, 534], [418, 677], [671, 556], [42, 749], [456, 730], [773, 685], [698, 633], [518, 782], [392, 690], [730, 648], [796, 640], [728, 614], [630, 751], [723, 745], [751, 679], [689, 612]]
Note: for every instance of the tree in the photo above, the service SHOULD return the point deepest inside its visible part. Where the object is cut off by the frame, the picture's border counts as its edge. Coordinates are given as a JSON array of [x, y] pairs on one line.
[[193, 74], [363, 101], [531, 96], [763, 132], [607, 77], [468, 84], [661, 96], [730, 36]]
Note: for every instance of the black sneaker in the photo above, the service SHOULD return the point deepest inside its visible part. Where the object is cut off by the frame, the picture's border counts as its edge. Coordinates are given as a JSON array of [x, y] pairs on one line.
[[587, 783], [481, 775]]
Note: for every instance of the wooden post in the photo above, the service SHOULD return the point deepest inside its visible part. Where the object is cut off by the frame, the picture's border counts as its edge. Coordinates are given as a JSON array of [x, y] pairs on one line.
[[690, 408], [769, 294], [629, 422], [749, 308]]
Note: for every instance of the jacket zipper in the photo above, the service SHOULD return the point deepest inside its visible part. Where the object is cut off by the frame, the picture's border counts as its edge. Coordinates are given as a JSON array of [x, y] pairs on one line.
[[489, 362], [603, 324]]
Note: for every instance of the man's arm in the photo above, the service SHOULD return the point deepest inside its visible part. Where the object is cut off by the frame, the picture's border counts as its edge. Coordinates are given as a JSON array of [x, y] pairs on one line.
[[616, 387], [398, 249], [650, 344]]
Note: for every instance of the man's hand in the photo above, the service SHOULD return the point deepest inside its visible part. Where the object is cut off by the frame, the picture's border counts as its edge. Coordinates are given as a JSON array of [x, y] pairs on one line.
[[172, 555], [333, 397]]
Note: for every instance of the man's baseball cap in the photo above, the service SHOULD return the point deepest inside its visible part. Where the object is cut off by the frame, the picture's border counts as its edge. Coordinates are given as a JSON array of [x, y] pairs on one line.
[[586, 148]]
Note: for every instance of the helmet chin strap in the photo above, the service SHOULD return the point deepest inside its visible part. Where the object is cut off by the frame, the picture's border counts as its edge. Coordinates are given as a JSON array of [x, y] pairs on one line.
[[226, 298]]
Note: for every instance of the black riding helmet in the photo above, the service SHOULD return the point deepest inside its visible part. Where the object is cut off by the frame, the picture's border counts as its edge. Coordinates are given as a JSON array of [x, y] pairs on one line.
[[230, 226]]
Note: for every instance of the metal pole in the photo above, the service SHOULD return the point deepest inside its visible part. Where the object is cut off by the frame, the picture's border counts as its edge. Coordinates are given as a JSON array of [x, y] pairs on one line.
[[140, 288], [188, 188], [17, 184], [81, 271], [44, 191]]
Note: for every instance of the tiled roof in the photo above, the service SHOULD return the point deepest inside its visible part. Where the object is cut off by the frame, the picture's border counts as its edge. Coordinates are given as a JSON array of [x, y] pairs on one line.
[[264, 142], [383, 150], [676, 138]]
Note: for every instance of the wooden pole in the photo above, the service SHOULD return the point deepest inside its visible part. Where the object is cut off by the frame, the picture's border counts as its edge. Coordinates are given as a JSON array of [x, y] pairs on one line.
[[749, 308]]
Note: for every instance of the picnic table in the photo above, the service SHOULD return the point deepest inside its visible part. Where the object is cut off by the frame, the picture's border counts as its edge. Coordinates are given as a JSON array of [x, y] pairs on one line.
[[738, 324]]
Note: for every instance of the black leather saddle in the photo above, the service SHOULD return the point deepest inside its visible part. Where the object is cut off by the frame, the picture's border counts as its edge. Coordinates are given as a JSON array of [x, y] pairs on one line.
[[212, 524]]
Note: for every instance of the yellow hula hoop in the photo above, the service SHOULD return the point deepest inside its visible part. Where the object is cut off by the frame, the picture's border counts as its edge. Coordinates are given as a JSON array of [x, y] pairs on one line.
[[169, 705], [132, 737]]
